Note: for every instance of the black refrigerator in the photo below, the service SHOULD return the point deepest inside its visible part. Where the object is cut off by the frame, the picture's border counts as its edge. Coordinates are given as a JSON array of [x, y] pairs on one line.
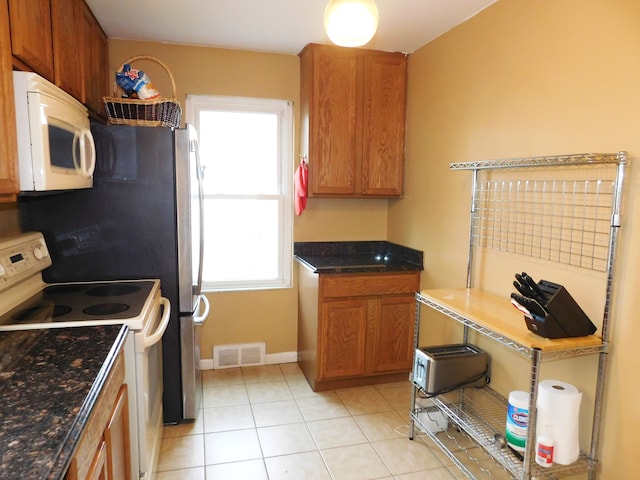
[[141, 219]]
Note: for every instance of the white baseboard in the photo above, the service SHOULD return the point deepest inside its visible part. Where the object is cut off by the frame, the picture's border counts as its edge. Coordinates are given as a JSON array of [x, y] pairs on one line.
[[272, 358], [282, 357], [206, 364]]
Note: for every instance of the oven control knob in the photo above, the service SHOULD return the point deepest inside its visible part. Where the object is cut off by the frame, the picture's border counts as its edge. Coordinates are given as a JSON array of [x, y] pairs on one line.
[[39, 253]]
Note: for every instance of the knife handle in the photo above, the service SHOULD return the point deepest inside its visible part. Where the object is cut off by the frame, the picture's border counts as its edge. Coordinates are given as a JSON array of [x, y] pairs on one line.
[[534, 286], [523, 290], [523, 287], [530, 304]]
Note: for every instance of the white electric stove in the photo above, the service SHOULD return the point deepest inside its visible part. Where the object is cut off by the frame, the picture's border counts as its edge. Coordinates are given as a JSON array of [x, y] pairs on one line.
[[27, 302]]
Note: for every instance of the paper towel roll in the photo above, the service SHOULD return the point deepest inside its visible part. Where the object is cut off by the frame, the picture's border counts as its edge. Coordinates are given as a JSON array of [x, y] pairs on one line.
[[558, 409]]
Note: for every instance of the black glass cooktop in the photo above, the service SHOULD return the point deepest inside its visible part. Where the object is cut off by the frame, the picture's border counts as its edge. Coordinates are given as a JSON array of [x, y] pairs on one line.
[[82, 302]]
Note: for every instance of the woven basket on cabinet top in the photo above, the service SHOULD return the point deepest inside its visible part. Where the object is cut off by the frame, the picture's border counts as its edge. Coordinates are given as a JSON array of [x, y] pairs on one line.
[[157, 112]]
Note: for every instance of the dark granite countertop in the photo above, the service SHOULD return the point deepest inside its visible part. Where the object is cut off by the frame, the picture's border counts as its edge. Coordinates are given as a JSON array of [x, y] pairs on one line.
[[357, 257], [49, 382]]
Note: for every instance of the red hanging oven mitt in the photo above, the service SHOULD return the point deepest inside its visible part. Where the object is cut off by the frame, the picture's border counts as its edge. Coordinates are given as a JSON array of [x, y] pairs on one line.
[[300, 186]]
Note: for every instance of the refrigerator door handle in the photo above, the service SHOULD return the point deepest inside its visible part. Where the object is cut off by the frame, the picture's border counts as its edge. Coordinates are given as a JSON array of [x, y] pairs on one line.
[[200, 319], [200, 175]]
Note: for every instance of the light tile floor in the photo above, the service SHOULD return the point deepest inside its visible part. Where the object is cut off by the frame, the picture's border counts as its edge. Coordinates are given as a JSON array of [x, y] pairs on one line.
[[265, 423]]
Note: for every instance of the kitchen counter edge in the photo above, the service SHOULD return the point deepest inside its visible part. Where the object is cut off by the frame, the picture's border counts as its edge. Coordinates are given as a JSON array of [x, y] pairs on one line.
[[56, 456], [378, 256]]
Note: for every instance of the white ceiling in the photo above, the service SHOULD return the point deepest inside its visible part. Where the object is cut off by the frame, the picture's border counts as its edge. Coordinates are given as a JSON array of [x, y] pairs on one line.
[[283, 26]]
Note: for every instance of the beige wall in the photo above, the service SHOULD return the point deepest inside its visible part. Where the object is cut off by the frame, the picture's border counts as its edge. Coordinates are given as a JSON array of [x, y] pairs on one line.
[[266, 315], [521, 78], [530, 78]]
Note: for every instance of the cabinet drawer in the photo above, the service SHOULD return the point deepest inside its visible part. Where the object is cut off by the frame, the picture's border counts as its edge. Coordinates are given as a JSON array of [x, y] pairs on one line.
[[363, 285]]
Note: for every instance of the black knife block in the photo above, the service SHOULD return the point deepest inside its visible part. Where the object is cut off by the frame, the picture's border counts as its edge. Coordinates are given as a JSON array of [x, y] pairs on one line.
[[564, 319]]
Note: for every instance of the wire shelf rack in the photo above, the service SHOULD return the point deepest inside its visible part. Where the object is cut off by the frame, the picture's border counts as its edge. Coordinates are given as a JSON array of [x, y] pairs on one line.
[[565, 218], [563, 221], [567, 215], [480, 413], [577, 159]]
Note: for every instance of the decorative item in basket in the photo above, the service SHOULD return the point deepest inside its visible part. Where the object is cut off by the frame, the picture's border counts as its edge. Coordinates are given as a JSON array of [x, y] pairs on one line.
[[135, 83], [149, 109]]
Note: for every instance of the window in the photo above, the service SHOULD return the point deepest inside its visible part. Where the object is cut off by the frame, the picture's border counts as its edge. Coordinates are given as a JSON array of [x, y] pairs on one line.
[[246, 152]]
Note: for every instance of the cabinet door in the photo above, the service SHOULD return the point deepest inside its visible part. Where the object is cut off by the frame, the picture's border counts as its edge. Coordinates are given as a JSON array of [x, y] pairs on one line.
[[332, 121], [8, 140], [95, 60], [67, 41], [116, 436], [390, 336], [102, 77], [383, 124], [343, 327], [98, 469], [31, 41]]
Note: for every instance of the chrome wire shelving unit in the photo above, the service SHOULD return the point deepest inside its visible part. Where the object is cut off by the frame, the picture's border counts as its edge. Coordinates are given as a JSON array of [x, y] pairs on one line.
[[562, 209]]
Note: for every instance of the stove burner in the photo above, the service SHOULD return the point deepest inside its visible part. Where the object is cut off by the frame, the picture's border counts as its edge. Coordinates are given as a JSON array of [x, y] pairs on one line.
[[106, 309], [112, 290], [64, 289], [36, 313], [60, 310]]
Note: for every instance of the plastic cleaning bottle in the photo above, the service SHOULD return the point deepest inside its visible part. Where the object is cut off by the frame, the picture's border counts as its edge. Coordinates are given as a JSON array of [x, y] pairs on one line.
[[544, 448]]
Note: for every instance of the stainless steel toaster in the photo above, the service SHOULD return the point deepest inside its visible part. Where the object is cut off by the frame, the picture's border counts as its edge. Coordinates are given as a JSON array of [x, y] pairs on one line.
[[443, 368]]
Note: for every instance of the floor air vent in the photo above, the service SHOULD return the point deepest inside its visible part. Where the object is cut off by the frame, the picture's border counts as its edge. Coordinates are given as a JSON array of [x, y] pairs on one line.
[[239, 355]]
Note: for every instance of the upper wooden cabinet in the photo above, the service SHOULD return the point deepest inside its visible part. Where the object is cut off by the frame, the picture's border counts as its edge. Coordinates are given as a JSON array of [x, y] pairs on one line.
[[80, 53], [67, 40], [353, 104], [8, 141], [95, 60], [62, 41], [31, 38]]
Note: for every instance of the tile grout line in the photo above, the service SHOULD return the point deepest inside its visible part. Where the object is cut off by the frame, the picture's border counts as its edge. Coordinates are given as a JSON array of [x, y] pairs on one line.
[[297, 397]]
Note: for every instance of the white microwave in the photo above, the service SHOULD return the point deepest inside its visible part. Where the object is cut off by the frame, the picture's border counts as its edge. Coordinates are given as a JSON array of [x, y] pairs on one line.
[[55, 145]]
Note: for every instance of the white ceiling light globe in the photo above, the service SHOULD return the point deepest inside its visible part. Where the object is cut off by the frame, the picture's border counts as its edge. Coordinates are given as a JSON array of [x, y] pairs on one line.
[[351, 23]]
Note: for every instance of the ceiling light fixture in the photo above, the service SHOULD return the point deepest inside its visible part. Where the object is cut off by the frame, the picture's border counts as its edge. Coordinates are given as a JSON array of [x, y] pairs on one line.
[[351, 23]]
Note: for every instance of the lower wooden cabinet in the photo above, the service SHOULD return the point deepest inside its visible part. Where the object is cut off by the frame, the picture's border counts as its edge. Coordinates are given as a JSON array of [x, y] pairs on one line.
[[343, 331], [390, 335], [98, 468], [355, 329], [116, 437], [103, 451]]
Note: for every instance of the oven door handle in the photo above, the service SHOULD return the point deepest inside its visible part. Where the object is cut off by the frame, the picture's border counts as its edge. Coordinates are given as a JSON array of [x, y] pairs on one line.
[[156, 336]]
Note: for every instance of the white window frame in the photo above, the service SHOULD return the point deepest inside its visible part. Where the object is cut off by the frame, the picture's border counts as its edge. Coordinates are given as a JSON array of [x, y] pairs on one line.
[[284, 109]]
